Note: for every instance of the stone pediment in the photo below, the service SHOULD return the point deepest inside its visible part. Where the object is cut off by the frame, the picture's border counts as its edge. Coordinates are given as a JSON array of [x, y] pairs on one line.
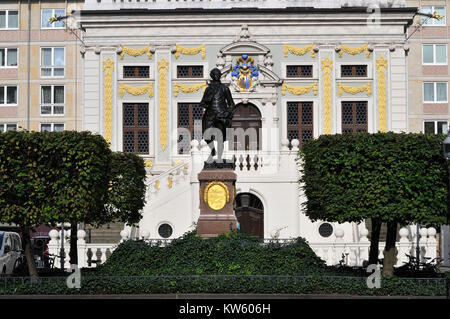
[[247, 47], [247, 64]]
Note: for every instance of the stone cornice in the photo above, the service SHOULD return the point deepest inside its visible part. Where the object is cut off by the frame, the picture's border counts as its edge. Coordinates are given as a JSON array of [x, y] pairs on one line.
[[296, 16]]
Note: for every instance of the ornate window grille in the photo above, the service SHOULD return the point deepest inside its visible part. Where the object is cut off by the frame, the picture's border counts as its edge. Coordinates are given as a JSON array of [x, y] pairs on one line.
[[353, 71], [142, 71], [354, 117], [299, 71], [189, 125], [300, 121], [190, 71], [135, 128]]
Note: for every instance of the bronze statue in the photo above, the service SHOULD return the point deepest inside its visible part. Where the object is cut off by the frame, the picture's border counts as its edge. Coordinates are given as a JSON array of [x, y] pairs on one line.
[[218, 106]]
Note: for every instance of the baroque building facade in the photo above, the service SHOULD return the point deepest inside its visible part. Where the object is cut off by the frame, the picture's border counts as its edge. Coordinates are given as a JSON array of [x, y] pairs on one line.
[[296, 71]]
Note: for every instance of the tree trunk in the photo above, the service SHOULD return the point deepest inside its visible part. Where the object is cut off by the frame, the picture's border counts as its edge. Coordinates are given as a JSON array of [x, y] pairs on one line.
[[32, 270], [374, 241], [390, 252], [73, 243]]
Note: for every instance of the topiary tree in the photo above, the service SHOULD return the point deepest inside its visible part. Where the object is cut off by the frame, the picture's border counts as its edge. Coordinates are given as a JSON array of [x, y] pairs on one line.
[[126, 191], [51, 177], [124, 199], [388, 177]]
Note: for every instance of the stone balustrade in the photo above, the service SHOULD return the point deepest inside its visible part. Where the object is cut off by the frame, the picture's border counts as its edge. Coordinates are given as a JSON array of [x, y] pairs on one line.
[[161, 184], [250, 161], [89, 255], [357, 252], [333, 252]]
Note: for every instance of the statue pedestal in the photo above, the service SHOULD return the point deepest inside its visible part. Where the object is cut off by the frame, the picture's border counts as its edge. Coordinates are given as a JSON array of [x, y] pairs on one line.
[[217, 193]]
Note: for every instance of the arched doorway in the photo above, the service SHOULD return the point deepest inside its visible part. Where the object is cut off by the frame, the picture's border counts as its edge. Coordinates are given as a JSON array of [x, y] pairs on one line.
[[245, 117], [249, 212]]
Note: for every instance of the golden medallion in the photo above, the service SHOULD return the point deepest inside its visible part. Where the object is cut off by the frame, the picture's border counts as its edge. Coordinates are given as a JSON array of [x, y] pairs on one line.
[[216, 195]]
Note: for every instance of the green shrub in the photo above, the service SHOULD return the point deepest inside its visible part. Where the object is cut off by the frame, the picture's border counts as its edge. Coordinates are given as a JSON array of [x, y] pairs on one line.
[[234, 253], [231, 263], [228, 284]]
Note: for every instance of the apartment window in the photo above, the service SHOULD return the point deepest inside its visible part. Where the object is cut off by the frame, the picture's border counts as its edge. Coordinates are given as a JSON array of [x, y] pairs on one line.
[[49, 13], [354, 117], [300, 121], [8, 57], [435, 92], [4, 127], [8, 95], [52, 127], [52, 100], [189, 125], [431, 9], [9, 19], [135, 128], [136, 71], [299, 71], [52, 62], [353, 71], [190, 71], [435, 127], [434, 54]]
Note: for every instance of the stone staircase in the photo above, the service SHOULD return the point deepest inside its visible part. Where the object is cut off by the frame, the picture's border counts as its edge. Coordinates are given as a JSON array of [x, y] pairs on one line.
[[107, 234]]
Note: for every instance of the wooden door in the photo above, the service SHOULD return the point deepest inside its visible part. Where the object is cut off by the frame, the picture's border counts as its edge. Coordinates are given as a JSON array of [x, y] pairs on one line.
[[246, 116], [250, 214]]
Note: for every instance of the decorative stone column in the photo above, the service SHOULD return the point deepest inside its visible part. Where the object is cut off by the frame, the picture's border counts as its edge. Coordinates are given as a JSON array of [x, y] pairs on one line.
[[81, 247], [217, 193], [404, 246]]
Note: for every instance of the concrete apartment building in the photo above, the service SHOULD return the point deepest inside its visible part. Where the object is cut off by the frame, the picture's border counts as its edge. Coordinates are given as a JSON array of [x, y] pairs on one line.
[[427, 69], [40, 67]]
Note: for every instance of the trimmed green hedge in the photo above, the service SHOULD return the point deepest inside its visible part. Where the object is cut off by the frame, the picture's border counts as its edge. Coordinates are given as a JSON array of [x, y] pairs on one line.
[[391, 177], [230, 284], [231, 263], [231, 254]]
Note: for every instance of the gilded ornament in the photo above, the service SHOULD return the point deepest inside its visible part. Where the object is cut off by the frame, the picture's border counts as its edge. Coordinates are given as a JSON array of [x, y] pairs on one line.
[[157, 183], [163, 67], [148, 163], [188, 88], [355, 89], [327, 65], [108, 67], [298, 90], [381, 86], [170, 180], [299, 50], [190, 51], [354, 50], [135, 52], [216, 195], [177, 162], [147, 88]]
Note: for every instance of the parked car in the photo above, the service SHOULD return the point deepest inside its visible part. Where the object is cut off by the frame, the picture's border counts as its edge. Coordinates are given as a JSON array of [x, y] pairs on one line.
[[11, 253]]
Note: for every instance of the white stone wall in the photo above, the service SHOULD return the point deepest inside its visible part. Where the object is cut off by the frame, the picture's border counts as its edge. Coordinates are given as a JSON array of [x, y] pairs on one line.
[[277, 188]]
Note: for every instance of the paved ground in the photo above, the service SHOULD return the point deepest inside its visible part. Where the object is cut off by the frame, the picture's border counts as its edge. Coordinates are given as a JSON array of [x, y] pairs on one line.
[[444, 268]]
